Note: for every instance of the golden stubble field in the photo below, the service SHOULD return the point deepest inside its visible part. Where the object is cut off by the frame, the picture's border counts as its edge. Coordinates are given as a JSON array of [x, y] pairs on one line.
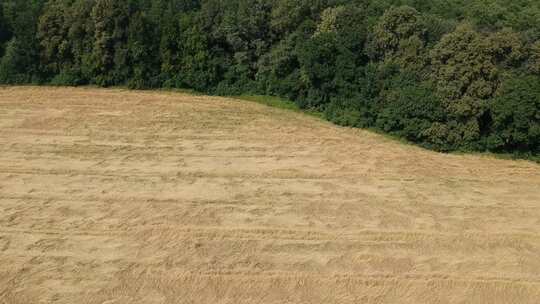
[[115, 196]]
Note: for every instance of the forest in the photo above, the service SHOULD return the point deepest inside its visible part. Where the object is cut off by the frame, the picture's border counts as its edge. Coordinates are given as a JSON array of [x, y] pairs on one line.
[[449, 75]]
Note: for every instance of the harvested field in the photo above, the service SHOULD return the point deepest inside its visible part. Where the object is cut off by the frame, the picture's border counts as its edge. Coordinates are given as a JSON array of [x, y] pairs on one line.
[[115, 196]]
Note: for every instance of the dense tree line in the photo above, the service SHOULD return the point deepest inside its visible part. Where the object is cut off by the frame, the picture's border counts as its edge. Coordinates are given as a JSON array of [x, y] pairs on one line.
[[446, 74]]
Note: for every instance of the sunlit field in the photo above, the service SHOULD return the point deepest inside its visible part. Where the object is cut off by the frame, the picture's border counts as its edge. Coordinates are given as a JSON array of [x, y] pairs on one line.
[[115, 196]]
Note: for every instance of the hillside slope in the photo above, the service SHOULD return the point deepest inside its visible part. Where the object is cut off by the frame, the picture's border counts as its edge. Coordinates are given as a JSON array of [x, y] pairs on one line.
[[114, 196]]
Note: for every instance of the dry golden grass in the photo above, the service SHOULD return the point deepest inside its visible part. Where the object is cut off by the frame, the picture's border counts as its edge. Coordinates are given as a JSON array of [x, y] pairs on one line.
[[113, 196]]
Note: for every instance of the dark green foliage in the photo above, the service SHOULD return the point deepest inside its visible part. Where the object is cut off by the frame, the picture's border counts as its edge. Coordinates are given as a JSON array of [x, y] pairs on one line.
[[400, 33], [332, 57], [446, 74], [5, 32], [410, 112], [516, 116], [10, 64], [200, 66], [521, 15], [360, 109], [20, 63], [110, 63], [141, 52], [534, 64]]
